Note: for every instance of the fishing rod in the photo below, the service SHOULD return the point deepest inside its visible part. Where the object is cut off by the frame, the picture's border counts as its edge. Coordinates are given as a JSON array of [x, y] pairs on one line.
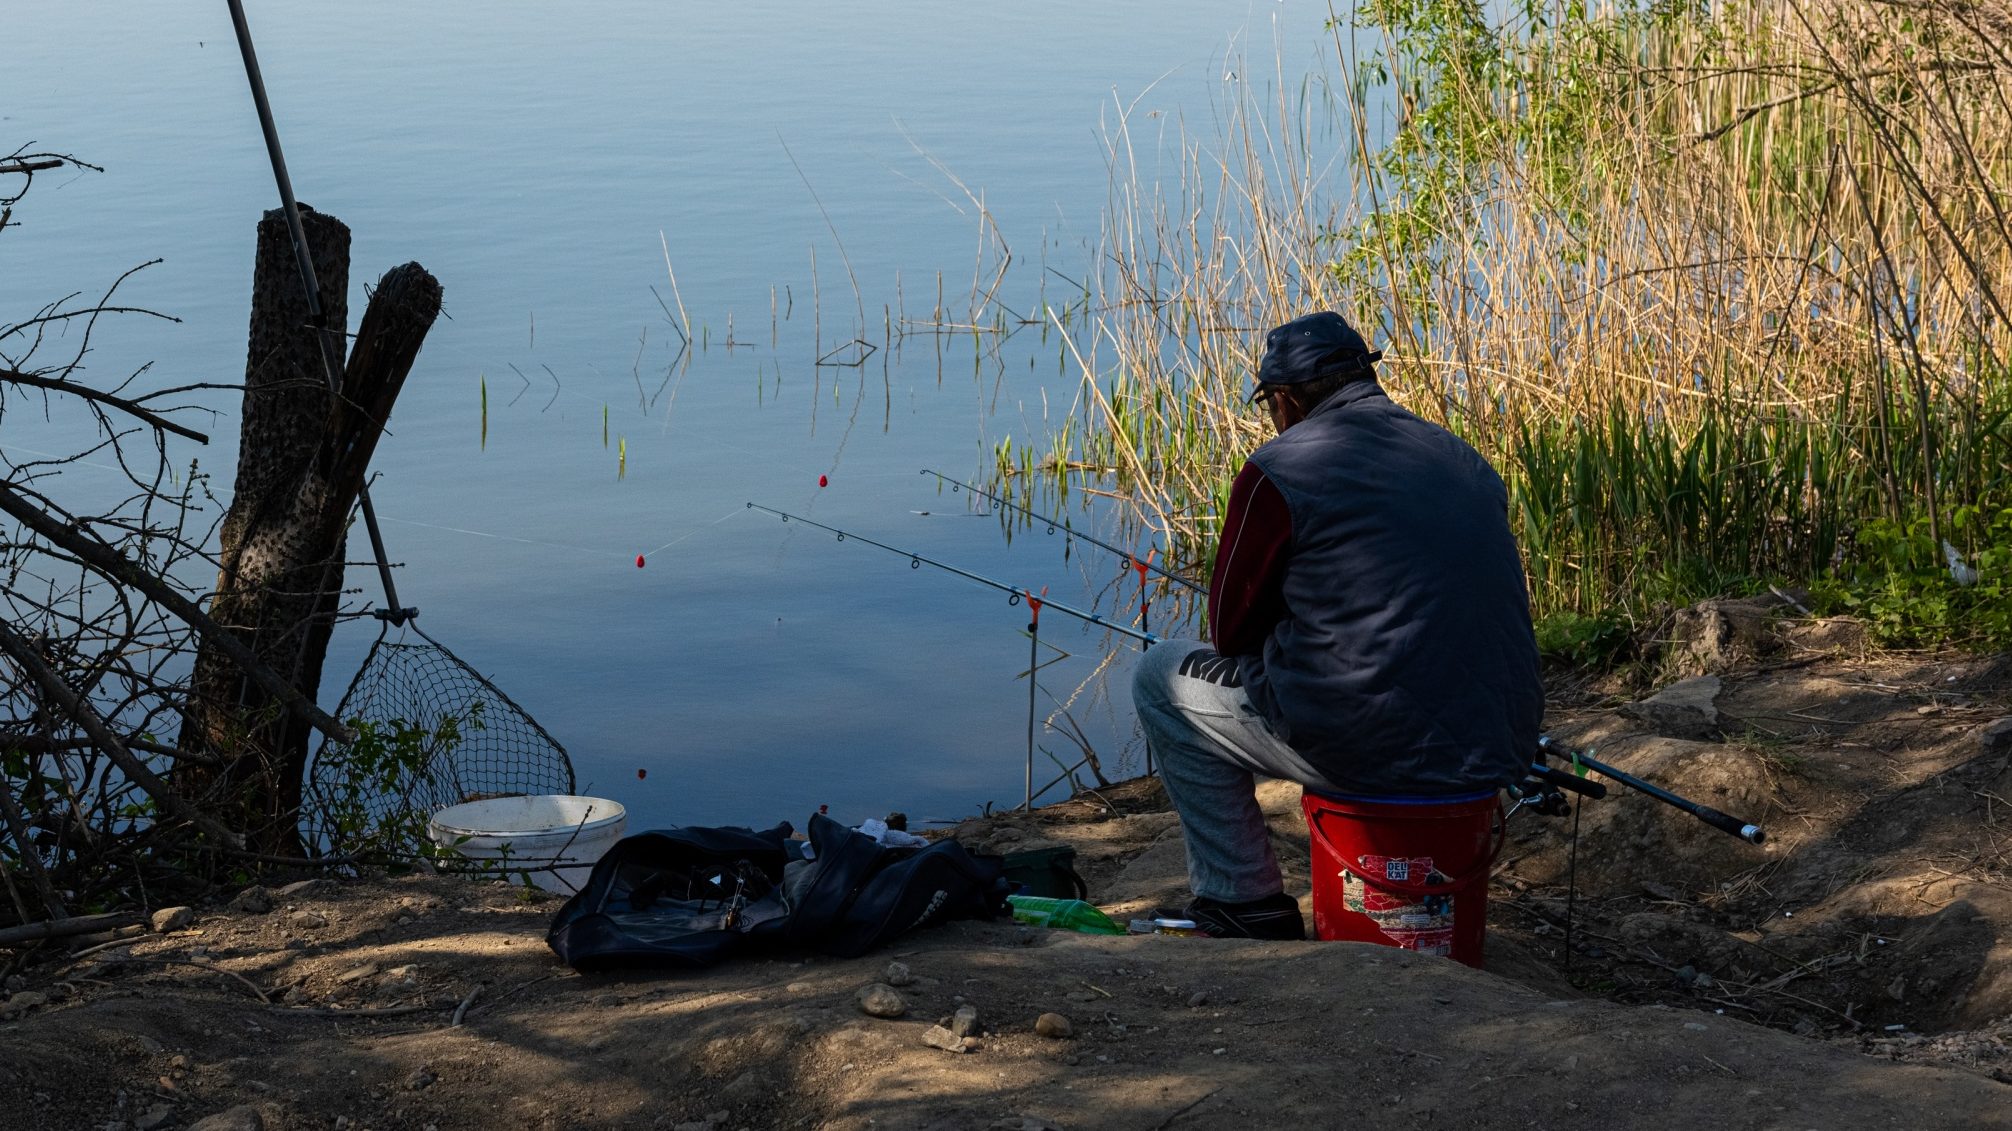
[[1015, 593], [1132, 561], [1724, 822]]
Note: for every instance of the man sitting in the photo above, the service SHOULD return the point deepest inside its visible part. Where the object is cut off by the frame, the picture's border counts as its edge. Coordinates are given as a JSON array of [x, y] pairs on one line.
[[1370, 623]]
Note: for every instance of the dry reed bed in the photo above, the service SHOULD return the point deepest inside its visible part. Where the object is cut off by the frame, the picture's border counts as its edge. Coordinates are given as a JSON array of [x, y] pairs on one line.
[[1712, 288]]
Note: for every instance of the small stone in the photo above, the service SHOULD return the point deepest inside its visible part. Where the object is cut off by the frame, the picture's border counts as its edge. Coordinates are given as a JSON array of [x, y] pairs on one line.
[[1995, 736], [880, 1000], [1198, 999], [799, 988], [148, 1044], [168, 920], [178, 1063], [298, 887], [898, 974], [23, 1002], [1054, 1026], [749, 1087], [356, 973], [153, 1117], [937, 1037], [1697, 1027], [964, 1022], [16, 983], [308, 920], [420, 1077], [244, 1117], [1685, 709], [253, 900]]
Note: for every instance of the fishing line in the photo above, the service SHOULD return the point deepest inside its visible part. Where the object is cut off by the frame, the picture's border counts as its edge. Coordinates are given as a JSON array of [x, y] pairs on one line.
[[1015, 593], [573, 547], [695, 530], [1131, 560]]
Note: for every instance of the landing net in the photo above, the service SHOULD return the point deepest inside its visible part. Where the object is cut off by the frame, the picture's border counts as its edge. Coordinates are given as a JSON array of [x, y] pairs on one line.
[[431, 732]]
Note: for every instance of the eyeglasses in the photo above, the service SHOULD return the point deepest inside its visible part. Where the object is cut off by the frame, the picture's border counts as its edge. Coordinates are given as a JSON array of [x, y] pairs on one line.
[[1264, 397]]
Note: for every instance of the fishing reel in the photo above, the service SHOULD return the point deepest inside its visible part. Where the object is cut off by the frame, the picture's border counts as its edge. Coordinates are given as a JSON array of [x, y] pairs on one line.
[[1543, 790]]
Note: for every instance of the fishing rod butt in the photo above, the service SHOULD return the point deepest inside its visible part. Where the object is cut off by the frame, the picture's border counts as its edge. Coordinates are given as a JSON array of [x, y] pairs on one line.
[[1731, 825], [1552, 775]]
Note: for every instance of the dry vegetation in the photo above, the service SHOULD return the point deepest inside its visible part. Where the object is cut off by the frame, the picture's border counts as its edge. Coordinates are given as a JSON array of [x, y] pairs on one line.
[[1721, 291]]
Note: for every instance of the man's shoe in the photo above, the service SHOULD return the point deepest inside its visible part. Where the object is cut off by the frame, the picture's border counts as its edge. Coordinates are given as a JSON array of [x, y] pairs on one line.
[[1273, 917]]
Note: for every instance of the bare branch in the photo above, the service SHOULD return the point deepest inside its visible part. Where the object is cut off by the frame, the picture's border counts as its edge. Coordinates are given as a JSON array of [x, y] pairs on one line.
[[110, 563], [136, 771], [58, 384]]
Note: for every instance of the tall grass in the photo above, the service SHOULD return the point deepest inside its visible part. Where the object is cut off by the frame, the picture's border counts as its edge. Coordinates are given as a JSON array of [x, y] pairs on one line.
[[1712, 286]]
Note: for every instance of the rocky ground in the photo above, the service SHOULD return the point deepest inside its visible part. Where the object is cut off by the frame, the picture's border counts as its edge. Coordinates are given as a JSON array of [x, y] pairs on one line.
[[1854, 972]]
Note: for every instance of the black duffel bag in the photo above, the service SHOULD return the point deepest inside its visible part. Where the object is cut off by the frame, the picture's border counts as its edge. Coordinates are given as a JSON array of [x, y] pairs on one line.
[[691, 897]]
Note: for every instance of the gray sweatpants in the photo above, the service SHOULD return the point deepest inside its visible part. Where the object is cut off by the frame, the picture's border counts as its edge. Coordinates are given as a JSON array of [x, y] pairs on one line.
[[1209, 741]]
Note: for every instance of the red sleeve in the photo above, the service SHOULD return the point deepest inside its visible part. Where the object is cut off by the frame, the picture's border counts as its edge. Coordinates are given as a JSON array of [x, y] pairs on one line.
[[1247, 589]]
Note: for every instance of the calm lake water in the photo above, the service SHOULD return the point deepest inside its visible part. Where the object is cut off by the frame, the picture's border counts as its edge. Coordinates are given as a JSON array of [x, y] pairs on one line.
[[809, 170]]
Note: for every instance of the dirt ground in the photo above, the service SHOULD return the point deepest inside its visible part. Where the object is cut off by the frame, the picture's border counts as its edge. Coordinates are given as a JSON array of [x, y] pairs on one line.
[[1854, 972]]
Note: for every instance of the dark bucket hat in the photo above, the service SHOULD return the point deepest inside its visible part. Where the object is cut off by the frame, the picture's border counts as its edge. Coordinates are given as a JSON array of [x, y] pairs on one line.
[[1310, 347]]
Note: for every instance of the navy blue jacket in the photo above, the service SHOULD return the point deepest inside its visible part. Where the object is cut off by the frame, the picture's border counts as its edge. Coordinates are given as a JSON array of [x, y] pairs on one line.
[[1405, 663]]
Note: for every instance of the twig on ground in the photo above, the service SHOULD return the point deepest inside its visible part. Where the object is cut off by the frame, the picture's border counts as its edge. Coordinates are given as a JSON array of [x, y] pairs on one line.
[[105, 946], [364, 1014], [461, 1010], [519, 988], [1163, 1124], [210, 966]]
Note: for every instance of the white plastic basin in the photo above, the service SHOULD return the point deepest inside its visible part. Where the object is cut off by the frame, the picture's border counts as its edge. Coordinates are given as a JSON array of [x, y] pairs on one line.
[[555, 837]]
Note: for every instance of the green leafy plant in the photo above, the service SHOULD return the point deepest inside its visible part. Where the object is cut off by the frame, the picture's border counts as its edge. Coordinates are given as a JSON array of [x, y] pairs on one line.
[[376, 811], [1900, 582], [1584, 641]]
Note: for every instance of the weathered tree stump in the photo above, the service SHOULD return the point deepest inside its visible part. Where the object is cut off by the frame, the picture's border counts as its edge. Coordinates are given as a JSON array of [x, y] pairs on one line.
[[303, 456]]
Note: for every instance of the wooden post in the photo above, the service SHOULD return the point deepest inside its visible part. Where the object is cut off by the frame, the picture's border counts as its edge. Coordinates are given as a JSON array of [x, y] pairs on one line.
[[303, 456]]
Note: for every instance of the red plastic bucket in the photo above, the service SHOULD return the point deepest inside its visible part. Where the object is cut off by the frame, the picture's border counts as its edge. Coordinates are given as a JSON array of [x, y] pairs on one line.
[[1404, 872]]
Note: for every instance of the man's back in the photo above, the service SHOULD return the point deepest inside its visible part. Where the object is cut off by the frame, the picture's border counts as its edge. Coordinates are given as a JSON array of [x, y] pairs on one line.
[[1405, 663]]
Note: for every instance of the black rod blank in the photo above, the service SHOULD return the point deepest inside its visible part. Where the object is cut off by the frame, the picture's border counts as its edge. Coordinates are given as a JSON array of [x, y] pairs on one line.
[[1724, 822]]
